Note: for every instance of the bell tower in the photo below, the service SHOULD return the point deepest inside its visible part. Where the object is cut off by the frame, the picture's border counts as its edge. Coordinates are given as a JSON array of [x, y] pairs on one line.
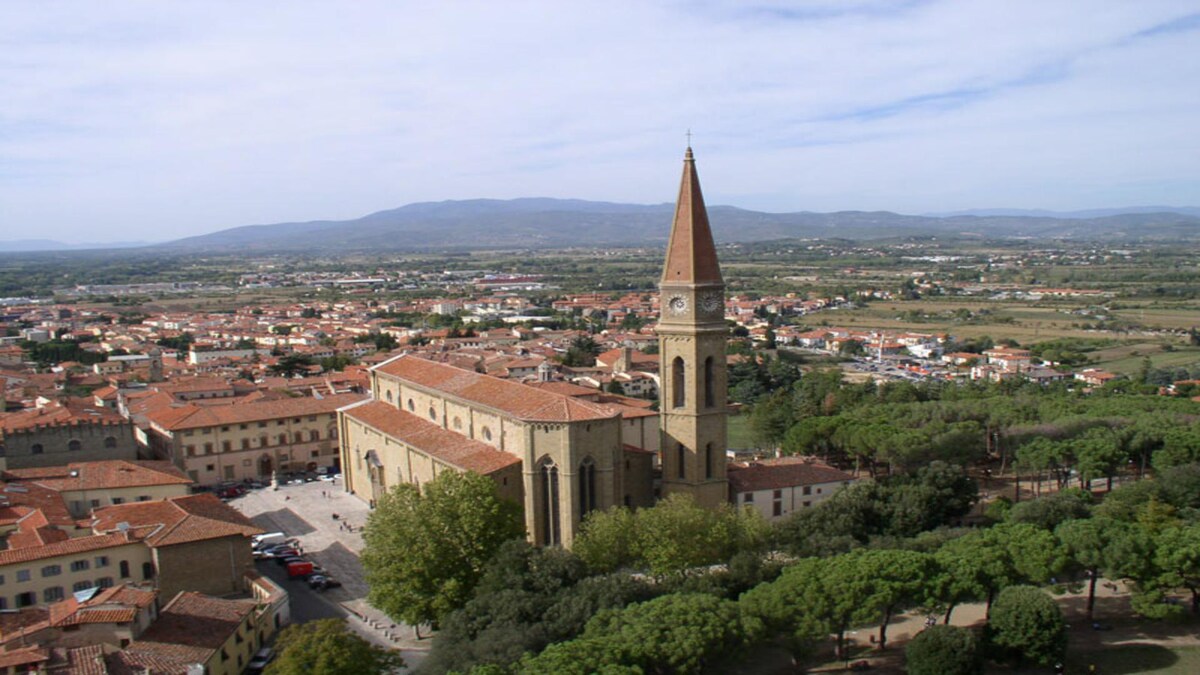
[[691, 345]]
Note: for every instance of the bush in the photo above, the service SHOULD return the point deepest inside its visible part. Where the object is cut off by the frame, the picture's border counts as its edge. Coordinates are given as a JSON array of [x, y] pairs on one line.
[[943, 650], [1026, 623]]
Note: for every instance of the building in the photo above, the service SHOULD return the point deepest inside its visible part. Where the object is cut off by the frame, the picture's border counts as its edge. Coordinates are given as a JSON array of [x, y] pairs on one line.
[[57, 433], [219, 635], [194, 543], [779, 487], [248, 440], [84, 486], [558, 454], [691, 338]]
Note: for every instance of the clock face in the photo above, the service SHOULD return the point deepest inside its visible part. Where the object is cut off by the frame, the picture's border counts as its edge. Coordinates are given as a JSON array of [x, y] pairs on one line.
[[677, 304], [711, 302]]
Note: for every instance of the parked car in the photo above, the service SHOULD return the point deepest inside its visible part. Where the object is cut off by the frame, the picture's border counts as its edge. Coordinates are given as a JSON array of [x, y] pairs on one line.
[[319, 582], [261, 658], [284, 561]]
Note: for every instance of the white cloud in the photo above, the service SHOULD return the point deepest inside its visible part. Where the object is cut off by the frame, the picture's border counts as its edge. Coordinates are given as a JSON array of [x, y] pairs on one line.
[[153, 120]]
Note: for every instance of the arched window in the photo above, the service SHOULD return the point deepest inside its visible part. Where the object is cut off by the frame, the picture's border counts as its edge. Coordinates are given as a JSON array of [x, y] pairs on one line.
[[432, 413], [709, 397], [551, 528], [298, 436], [314, 435], [262, 441], [458, 423], [74, 445], [681, 455], [678, 393], [587, 487], [487, 434], [333, 433], [389, 396], [283, 439], [708, 461], [110, 442], [36, 449], [412, 407]]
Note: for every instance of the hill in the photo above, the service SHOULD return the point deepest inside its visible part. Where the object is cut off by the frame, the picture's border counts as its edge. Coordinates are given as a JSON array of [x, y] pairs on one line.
[[558, 223]]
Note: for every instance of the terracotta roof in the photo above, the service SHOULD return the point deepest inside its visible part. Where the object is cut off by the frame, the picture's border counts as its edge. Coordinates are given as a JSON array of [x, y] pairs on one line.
[[513, 398], [56, 414], [87, 660], [442, 444], [782, 473], [68, 547], [101, 475], [24, 657], [117, 604], [177, 520], [691, 254], [193, 416], [188, 630]]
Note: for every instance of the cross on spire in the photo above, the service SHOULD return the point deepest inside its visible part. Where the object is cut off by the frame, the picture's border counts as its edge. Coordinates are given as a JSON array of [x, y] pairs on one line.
[[689, 138]]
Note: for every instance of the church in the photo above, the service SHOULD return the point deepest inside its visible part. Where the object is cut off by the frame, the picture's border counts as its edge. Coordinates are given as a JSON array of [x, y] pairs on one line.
[[560, 455]]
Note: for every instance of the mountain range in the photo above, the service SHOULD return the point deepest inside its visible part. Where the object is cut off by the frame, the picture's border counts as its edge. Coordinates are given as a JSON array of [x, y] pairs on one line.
[[559, 223]]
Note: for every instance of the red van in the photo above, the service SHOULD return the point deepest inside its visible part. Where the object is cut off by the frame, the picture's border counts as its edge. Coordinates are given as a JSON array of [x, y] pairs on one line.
[[299, 569]]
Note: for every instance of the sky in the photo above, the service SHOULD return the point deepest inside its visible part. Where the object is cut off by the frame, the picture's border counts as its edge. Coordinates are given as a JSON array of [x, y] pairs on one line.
[[148, 121]]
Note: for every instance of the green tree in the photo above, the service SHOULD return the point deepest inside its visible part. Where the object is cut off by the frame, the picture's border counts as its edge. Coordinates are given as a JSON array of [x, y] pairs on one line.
[[699, 536], [1028, 623], [426, 548], [327, 647], [1177, 560], [943, 650], [1100, 547], [677, 633]]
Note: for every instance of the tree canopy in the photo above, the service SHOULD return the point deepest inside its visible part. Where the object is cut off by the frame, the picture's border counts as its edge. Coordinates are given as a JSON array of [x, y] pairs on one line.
[[426, 548]]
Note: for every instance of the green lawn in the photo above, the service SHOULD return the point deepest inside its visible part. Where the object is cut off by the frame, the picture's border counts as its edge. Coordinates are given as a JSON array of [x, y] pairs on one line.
[[739, 432], [1137, 658]]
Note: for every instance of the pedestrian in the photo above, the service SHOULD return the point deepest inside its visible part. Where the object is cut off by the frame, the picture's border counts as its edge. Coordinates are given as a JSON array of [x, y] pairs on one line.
[[322, 493]]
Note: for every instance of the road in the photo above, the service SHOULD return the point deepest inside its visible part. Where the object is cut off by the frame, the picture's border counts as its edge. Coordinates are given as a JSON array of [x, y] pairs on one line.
[[306, 512]]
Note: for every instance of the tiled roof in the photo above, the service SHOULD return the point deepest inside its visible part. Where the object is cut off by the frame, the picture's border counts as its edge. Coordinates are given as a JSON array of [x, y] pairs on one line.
[[68, 547], [443, 445], [691, 254], [24, 657], [513, 398], [102, 475], [177, 520], [87, 660], [778, 474], [193, 416], [188, 630]]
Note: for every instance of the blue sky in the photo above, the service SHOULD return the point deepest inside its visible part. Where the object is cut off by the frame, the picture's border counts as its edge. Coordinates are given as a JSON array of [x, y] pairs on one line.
[[151, 120]]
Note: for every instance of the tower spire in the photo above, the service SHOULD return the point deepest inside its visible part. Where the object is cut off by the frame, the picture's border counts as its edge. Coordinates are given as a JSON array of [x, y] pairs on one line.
[[691, 254]]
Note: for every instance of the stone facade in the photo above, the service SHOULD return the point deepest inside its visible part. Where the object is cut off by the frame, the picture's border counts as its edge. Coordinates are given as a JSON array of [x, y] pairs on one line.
[[78, 441]]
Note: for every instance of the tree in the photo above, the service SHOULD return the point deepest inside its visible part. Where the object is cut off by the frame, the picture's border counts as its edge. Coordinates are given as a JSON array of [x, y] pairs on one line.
[[582, 353], [943, 650], [1099, 547], [1048, 511], [426, 550], [617, 538], [1027, 622], [677, 633], [1177, 559], [327, 647], [292, 365]]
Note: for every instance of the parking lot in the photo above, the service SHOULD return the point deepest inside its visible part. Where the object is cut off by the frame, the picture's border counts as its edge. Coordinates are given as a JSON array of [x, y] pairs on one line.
[[306, 512]]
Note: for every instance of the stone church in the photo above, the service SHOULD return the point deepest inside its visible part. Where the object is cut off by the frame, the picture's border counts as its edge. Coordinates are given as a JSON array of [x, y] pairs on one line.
[[558, 454]]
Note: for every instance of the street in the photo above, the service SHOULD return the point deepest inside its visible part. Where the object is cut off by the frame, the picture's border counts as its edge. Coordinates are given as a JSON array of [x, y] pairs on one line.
[[306, 512]]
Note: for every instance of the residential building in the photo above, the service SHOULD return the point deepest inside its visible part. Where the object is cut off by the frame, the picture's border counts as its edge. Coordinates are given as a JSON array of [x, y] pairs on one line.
[[776, 488]]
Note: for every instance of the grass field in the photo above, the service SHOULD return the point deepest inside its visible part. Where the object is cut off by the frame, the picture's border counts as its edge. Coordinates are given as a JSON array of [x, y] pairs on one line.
[[739, 432], [1137, 658]]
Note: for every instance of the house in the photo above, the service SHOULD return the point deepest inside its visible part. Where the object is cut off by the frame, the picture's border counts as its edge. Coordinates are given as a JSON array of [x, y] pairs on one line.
[[249, 440], [779, 487]]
